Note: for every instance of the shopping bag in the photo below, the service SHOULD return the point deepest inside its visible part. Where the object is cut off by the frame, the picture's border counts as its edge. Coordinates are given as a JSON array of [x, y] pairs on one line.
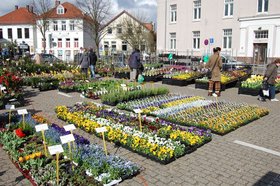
[[140, 78], [265, 93]]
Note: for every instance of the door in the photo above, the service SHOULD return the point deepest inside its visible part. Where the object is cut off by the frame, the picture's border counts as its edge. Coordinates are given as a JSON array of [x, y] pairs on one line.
[[260, 53]]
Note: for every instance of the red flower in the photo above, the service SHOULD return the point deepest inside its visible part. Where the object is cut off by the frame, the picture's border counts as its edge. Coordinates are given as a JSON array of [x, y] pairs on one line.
[[19, 133]]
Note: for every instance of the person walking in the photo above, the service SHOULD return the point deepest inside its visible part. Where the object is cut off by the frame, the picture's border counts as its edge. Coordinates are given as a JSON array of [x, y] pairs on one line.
[[92, 63], [134, 64], [215, 65], [84, 62], [270, 77]]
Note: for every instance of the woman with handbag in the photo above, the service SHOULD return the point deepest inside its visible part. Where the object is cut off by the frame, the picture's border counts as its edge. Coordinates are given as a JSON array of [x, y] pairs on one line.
[[269, 78], [215, 65]]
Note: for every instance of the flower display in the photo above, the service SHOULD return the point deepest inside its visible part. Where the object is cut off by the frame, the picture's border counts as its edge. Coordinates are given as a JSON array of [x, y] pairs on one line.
[[123, 129], [90, 158], [254, 82]]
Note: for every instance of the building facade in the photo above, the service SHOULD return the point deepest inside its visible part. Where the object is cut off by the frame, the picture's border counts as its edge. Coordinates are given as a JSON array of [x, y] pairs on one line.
[[245, 29], [111, 42], [19, 26], [66, 32]]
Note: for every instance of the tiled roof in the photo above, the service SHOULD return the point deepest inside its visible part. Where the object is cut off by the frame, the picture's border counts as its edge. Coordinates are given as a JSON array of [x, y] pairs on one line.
[[70, 12], [149, 26], [18, 16]]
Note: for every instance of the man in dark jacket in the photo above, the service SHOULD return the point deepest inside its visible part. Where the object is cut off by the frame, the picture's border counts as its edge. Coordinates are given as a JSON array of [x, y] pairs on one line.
[[134, 64], [93, 60]]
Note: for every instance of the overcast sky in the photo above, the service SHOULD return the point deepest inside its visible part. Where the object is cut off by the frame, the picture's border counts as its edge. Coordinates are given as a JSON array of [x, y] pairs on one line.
[[139, 7]]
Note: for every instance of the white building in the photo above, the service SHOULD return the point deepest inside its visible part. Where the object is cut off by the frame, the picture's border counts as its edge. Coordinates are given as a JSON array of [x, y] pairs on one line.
[[111, 42], [247, 29], [19, 25], [66, 32]]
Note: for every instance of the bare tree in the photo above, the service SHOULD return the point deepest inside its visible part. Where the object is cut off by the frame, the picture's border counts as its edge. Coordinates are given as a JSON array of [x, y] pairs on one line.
[[96, 15], [42, 9], [135, 32]]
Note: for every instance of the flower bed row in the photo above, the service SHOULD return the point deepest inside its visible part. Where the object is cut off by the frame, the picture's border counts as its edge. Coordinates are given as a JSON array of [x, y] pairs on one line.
[[253, 84], [221, 117], [26, 149], [160, 141], [114, 98]]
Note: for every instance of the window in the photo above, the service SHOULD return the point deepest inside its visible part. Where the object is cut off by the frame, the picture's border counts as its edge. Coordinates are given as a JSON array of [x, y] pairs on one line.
[[114, 45], [197, 10], [67, 42], [119, 29], [106, 45], [196, 40], [227, 38], [55, 26], [63, 25], [76, 43], [60, 10], [60, 54], [10, 33], [124, 46], [261, 34], [228, 7], [1, 33], [173, 13], [19, 33], [72, 25], [26, 33], [262, 6], [109, 30], [59, 43], [173, 41]]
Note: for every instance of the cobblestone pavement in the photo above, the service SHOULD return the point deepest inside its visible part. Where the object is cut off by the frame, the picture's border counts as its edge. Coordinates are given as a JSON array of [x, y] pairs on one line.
[[220, 162]]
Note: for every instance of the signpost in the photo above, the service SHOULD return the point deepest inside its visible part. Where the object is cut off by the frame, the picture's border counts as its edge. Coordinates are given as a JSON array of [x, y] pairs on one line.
[[102, 130], [139, 111], [22, 112], [10, 108], [41, 128], [56, 149]]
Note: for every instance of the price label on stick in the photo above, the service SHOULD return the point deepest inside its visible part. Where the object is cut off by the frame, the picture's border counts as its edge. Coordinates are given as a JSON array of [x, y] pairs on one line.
[[10, 107], [55, 149], [137, 111], [67, 138], [101, 129], [69, 127], [123, 85], [41, 127], [22, 112]]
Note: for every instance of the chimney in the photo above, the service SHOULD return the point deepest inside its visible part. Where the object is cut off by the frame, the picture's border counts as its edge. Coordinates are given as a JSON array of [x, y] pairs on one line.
[[27, 7], [16, 7], [57, 2]]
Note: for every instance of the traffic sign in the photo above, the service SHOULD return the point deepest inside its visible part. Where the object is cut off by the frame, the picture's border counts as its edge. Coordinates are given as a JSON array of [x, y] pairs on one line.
[[211, 40], [206, 42]]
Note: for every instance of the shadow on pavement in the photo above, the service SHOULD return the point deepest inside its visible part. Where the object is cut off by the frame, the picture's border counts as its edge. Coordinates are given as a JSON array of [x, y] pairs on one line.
[[19, 179], [270, 178], [2, 173]]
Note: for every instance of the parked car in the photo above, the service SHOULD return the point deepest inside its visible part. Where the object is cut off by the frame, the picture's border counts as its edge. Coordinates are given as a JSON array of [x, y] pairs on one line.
[[231, 64], [47, 58]]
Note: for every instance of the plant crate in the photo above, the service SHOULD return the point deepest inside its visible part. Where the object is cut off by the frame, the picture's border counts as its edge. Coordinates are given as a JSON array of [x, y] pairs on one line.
[[248, 91], [121, 75]]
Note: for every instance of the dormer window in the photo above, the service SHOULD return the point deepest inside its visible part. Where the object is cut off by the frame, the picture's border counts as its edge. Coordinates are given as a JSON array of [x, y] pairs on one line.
[[60, 9]]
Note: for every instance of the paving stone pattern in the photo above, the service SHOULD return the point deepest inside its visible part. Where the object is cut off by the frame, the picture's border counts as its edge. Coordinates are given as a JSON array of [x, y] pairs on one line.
[[220, 162]]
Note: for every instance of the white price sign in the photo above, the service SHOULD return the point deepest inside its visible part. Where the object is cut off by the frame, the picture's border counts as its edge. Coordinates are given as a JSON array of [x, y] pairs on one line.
[[10, 107], [69, 127], [101, 129], [67, 138], [137, 111], [123, 85], [41, 127], [55, 149], [3, 88], [22, 112]]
